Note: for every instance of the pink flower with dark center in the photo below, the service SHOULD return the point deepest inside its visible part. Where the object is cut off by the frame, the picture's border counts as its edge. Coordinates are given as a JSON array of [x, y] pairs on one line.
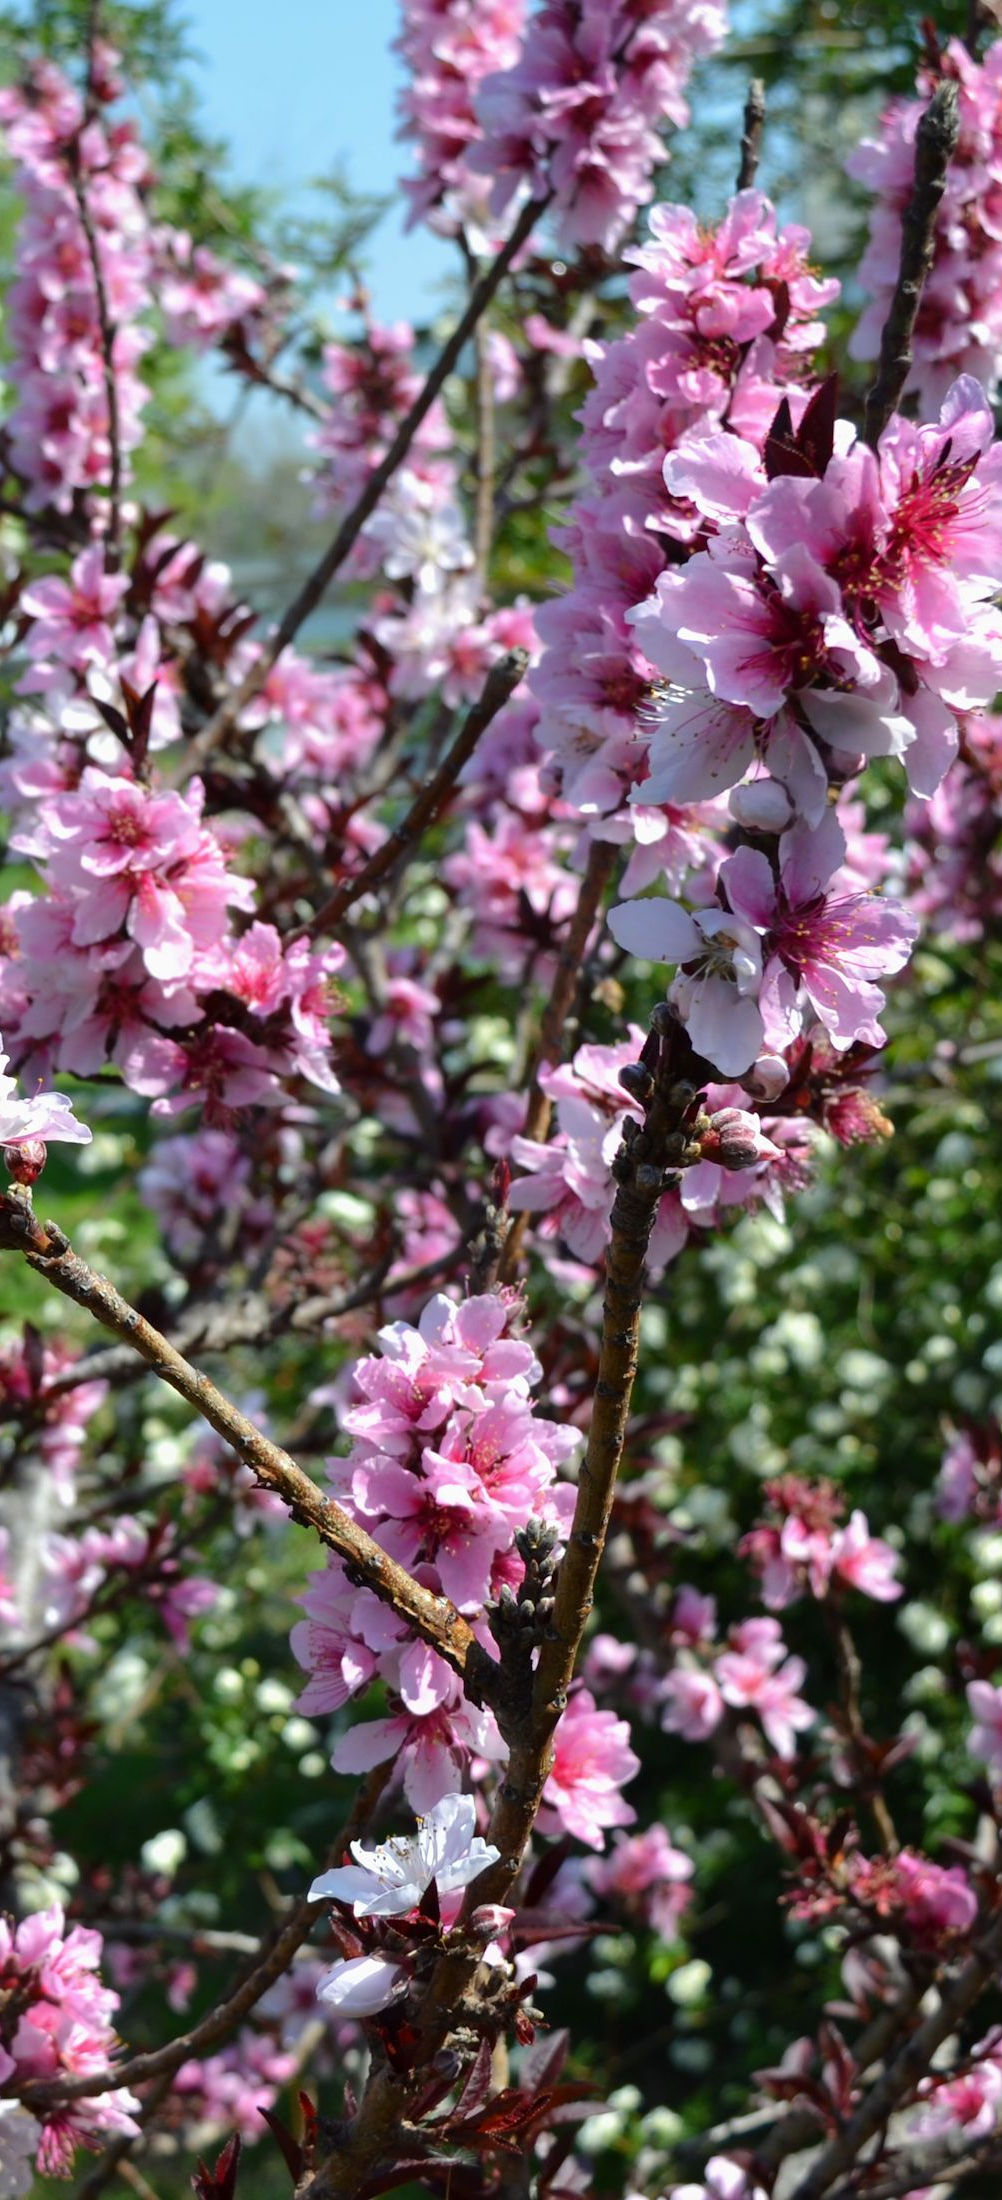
[[825, 946]]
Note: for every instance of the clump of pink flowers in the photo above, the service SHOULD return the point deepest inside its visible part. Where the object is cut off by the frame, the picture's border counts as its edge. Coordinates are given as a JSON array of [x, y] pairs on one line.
[[579, 117], [727, 324], [60, 2023], [805, 1546], [60, 427], [448, 1460], [448, 47]]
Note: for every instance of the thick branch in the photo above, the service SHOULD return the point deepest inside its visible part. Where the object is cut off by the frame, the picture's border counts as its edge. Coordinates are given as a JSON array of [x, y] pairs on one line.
[[935, 142], [751, 137], [317, 583], [647, 1153], [500, 684], [432, 1617]]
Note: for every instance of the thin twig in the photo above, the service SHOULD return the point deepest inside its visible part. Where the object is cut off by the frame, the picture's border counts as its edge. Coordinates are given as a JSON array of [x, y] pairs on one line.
[[912, 2063], [317, 583], [915, 2166], [107, 329], [751, 138], [601, 858], [486, 453], [850, 1676], [501, 682], [47, 1250], [935, 141], [272, 1958]]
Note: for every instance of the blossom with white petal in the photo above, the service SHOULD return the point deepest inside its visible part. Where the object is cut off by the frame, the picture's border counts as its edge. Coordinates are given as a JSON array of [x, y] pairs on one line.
[[46, 1115], [720, 970], [362, 1986], [20, 2135], [390, 1879]]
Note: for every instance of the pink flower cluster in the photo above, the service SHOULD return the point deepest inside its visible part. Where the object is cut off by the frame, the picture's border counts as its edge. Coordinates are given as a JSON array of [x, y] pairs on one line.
[[568, 1178], [203, 299], [753, 1675], [230, 2090], [60, 2024], [58, 1419], [842, 610], [77, 174], [648, 1876], [959, 325], [727, 325], [373, 382], [448, 1460], [448, 47], [805, 1547], [579, 116], [120, 959]]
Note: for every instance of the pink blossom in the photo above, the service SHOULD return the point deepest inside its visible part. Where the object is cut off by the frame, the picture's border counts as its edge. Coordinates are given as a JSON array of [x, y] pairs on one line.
[[816, 939], [64, 2026], [592, 1761], [985, 1739], [865, 1561], [756, 1675], [648, 1875], [693, 1703]]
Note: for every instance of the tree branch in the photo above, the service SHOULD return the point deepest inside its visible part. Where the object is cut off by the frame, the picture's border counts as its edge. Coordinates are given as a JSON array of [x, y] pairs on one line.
[[500, 684], [601, 859], [751, 139], [528, 1723], [902, 2074], [47, 1250], [935, 142], [315, 586], [107, 329], [272, 1959]]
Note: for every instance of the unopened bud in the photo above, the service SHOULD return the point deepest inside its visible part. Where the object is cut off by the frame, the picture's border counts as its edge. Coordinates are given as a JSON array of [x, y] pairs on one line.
[[761, 806], [26, 1161], [488, 1920], [636, 1079], [734, 1138]]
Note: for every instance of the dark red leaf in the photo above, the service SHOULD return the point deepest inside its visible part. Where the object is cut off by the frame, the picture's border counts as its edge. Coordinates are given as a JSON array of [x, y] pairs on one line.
[[816, 433], [291, 2150], [219, 2183]]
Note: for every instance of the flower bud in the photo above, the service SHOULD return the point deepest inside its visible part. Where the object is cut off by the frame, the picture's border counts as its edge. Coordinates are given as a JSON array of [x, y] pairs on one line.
[[25, 1161], [734, 1138], [761, 806], [489, 1919]]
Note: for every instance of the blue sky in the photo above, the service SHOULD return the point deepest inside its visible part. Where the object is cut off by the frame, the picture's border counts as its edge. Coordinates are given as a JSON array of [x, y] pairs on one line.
[[295, 86]]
